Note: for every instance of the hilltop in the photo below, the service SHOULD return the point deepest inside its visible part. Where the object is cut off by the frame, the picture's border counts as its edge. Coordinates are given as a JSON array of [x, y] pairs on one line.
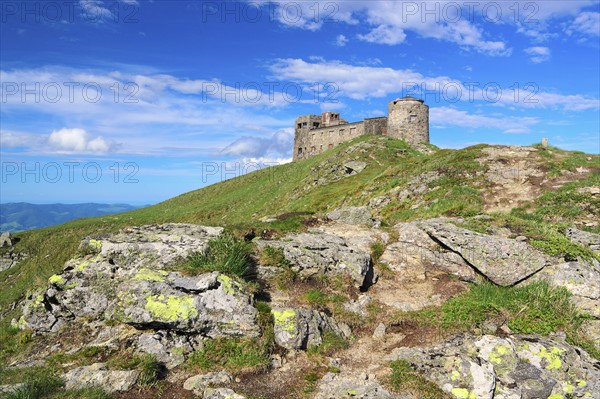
[[367, 260]]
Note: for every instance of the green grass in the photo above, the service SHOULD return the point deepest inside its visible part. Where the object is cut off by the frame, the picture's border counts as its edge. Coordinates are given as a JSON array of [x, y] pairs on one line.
[[404, 379], [224, 254], [233, 354], [330, 345], [534, 308]]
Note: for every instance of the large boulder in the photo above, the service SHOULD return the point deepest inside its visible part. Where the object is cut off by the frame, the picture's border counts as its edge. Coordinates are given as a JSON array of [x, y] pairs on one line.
[[303, 328], [98, 375], [124, 279], [490, 367], [502, 260], [316, 253], [353, 215], [415, 248]]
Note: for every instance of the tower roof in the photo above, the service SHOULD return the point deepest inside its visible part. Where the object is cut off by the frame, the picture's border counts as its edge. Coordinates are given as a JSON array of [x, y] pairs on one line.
[[409, 98]]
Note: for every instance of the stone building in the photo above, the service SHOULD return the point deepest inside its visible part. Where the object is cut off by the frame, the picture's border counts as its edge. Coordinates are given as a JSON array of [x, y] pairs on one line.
[[408, 119]]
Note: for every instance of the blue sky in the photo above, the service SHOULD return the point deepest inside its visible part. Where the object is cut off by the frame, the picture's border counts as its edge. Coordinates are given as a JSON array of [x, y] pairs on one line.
[[138, 101]]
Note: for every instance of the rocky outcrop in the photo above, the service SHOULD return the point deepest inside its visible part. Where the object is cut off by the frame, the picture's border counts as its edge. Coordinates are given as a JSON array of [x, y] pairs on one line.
[[199, 383], [123, 278], [167, 348], [6, 240], [303, 328], [316, 253], [98, 375], [415, 248], [10, 258], [503, 260], [490, 367], [587, 239], [353, 215], [334, 386]]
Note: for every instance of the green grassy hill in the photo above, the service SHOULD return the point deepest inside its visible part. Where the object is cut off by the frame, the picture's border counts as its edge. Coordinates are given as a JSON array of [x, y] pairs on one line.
[[440, 182]]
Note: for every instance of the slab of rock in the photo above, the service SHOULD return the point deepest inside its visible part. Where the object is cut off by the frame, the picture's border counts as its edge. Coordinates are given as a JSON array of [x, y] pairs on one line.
[[123, 279], [353, 215], [490, 367], [6, 239], [415, 248], [315, 253], [504, 261], [10, 259], [199, 383], [334, 386], [354, 167], [97, 375], [303, 328], [587, 239]]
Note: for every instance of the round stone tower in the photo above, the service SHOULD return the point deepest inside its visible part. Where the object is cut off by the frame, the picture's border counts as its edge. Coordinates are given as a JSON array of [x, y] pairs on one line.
[[408, 119]]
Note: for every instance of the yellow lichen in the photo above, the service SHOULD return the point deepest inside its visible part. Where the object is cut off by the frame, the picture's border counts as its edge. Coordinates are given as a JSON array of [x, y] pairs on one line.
[[229, 286], [569, 388], [463, 393], [96, 245], [56, 279], [285, 319], [172, 308], [151, 275], [555, 396], [455, 375], [552, 357], [581, 383]]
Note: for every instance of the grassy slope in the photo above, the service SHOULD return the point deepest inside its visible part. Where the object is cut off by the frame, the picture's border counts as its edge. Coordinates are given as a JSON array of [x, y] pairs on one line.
[[240, 202]]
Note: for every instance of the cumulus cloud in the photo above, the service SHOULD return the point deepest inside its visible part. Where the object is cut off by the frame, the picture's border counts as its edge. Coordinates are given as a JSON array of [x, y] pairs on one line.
[[587, 23], [538, 54], [280, 143], [78, 141], [384, 34], [341, 40]]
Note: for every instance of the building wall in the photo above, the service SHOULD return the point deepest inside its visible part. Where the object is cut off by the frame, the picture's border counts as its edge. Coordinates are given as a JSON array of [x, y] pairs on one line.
[[408, 120]]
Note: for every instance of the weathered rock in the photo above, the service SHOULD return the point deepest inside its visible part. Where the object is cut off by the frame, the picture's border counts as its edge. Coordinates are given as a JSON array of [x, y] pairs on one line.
[[415, 248], [314, 254], [334, 386], [303, 328], [6, 239], [527, 367], [221, 393], [359, 306], [125, 281], [354, 167], [167, 348], [587, 239], [199, 383], [504, 261], [581, 278], [11, 388], [353, 215], [97, 375], [10, 259]]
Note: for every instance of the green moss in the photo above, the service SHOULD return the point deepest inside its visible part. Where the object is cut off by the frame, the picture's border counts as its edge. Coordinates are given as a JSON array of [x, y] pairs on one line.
[[172, 308], [285, 319], [151, 275]]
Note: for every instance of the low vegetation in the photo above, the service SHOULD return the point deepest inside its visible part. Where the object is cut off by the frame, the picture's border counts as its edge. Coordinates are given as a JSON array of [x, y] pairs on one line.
[[404, 379]]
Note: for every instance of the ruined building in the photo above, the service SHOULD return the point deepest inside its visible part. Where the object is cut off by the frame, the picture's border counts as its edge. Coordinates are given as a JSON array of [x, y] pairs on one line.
[[408, 119]]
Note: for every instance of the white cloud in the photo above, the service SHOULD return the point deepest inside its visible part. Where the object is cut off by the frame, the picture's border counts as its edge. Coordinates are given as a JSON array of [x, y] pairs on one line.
[[280, 143], [447, 116], [78, 141], [11, 139], [538, 54], [384, 34], [587, 23], [341, 40]]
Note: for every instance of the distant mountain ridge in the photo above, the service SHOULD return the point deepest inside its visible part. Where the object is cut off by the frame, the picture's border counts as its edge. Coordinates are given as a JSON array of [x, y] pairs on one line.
[[20, 216]]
